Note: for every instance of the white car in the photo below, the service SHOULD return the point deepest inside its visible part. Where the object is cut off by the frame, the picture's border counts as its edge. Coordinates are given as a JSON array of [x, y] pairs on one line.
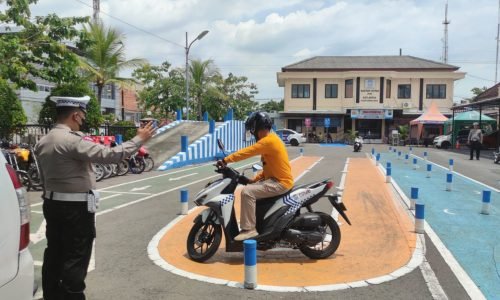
[[442, 141], [291, 137], [16, 263]]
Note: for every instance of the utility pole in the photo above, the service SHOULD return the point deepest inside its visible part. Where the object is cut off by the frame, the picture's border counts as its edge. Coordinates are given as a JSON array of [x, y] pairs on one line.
[[498, 33], [96, 6], [446, 22]]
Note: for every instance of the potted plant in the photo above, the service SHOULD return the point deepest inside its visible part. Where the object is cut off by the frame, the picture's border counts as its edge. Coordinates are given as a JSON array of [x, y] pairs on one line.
[[403, 133]]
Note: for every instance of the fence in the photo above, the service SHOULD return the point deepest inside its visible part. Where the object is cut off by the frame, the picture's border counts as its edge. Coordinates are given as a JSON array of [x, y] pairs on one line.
[[32, 133]]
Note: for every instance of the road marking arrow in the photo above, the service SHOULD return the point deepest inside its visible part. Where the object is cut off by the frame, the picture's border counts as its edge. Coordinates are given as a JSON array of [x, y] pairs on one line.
[[184, 176], [140, 188]]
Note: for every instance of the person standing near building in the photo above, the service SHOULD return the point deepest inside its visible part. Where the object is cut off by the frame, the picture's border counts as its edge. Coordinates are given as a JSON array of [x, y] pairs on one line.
[[69, 197], [475, 140]]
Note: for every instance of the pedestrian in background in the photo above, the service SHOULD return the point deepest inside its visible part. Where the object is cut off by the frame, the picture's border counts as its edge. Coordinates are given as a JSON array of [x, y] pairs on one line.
[[70, 199], [475, 140]]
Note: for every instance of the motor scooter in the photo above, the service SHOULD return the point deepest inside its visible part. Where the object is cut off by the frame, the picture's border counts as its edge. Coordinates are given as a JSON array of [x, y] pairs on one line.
[[284, 221], [358, 144]]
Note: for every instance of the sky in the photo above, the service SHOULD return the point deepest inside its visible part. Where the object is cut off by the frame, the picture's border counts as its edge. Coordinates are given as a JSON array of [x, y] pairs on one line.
[[256, 38]]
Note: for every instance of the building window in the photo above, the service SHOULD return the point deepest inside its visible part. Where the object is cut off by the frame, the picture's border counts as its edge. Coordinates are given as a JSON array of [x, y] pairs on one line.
[[300, 90], [404, 91], [331, 90], [436, 91], [349, 88], [388, 88]]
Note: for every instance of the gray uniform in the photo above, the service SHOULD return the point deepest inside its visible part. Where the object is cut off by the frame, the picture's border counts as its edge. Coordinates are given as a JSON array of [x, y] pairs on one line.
[[65, 158]]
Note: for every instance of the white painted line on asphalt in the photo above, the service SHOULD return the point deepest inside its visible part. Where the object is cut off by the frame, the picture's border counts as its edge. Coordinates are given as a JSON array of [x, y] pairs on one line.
[[39, 234], [37, 212], [37, 263], [431, 279], [154, 255], [140, 188], [183, 176], [160, 193], [462, 276], [152, 177], [108, 197], [118, 193], [460, 174], [37, 204], [470, 287]]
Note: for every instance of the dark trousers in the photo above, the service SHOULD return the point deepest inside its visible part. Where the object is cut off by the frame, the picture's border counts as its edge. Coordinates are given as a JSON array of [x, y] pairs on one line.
[[475, 146], [70, 233]]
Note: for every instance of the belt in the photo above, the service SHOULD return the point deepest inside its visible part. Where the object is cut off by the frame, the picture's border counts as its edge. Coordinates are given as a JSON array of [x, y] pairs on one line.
[[76, 197]]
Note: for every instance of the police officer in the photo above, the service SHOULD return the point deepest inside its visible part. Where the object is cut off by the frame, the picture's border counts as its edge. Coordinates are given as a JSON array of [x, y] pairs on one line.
[[65, 157]]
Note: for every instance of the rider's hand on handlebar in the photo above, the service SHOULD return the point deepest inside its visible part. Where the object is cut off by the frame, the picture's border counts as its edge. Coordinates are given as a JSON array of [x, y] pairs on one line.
[[221, 164]]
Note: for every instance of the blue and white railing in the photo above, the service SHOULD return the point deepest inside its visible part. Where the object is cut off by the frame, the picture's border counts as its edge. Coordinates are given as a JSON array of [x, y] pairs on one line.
[[232, 134]]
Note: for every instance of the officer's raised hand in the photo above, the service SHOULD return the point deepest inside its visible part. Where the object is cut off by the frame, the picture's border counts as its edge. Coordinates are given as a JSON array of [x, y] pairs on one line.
[[146, 132]]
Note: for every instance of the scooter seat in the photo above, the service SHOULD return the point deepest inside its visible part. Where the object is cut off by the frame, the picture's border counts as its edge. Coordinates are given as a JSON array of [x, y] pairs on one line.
[[274, 198]]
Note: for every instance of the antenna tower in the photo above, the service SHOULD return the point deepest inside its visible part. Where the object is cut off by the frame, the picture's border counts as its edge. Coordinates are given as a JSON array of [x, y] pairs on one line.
[[446, 22]]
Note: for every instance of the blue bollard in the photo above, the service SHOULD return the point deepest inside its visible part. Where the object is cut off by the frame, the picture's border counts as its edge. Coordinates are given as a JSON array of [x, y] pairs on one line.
[[301, 151], [388, 172], [419, 218], [425, 155], [429, 169], [250, 258], [377, 159], [413, 197], [399, 154], [184, 201], [388, 165], [449, 180], [406, 158], [373, 152], [451, 165], [415, 165], [486, 202], [184, 143], [390, 148]]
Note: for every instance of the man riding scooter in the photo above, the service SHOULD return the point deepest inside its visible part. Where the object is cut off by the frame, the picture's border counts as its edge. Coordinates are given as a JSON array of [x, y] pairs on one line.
[[276, 177], [358, 143]]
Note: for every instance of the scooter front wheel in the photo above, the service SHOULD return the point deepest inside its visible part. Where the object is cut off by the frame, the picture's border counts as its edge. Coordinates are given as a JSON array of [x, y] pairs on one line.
[[203, 240]]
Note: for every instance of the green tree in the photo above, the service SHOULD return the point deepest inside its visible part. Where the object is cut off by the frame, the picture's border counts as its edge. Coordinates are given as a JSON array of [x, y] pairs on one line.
[[404, 131], [35, 47], [11, 111], [476, 91], [104, 57], [231, 92], [76, 89], [163, 91], [273, 106], [202, 78]]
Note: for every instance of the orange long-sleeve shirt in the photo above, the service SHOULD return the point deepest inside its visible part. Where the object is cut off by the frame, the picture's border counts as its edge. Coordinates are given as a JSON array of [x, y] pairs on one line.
[[274, 159]]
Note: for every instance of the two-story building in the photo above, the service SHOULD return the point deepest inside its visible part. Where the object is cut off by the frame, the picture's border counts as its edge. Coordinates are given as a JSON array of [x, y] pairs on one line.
[[369, 94]]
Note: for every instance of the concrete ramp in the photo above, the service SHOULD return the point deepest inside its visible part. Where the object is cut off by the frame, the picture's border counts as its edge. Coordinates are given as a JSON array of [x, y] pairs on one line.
[[167, 143]]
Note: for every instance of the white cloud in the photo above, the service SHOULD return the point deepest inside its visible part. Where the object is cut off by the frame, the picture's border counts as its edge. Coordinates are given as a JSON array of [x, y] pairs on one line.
[[256, 38]]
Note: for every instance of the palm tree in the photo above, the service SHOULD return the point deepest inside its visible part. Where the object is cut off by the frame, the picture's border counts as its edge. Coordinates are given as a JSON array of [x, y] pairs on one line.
[[202, 74], [104, 58]]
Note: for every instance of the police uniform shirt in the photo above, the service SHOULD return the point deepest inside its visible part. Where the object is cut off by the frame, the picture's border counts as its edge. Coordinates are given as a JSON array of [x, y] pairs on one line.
[[65, 158]]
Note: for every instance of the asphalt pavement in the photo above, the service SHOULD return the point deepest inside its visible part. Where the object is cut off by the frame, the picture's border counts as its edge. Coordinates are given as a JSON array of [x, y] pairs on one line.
[[138, 206]]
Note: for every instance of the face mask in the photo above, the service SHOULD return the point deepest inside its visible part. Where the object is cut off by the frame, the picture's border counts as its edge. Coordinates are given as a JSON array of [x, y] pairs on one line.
[[84, 126]]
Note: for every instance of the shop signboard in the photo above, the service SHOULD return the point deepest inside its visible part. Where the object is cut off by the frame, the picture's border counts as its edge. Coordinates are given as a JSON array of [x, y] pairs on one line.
[[307, 122], [371, 114]]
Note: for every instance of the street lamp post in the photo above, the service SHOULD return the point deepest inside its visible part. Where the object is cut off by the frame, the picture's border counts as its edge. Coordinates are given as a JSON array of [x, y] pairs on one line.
[[199, 37]]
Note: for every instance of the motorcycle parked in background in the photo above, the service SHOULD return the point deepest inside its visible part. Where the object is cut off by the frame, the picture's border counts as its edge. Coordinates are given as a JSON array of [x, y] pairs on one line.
[[358, 144], [284, 221]]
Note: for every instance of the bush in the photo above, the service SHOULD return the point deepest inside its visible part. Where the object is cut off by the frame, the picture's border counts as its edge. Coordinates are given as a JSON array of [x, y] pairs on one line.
[[127, 133], [11, 111]]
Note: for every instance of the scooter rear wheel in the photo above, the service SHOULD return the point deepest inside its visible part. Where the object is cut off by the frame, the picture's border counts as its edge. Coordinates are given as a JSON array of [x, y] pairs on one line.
[[203, 240], [331, 239]]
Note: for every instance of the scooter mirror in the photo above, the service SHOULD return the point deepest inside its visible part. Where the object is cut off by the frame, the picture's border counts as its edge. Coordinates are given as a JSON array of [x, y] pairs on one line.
[[256, 167], [220, 144]]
